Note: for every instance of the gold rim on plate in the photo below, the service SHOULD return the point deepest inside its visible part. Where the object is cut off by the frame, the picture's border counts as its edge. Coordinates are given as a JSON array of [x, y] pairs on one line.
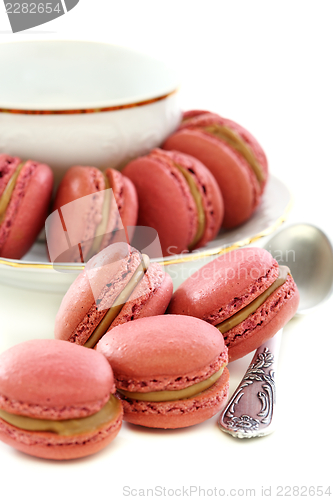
[[241, 243], [190, 257]]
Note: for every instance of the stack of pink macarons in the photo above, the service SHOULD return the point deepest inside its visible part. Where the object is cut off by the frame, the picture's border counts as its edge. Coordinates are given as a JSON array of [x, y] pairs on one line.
[[91, 208], [170, 192], [126, 346], [210, 173], [117, 355], [228, 308]]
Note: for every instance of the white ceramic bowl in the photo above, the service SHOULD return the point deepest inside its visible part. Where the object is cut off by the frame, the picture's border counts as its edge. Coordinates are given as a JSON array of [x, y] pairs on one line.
[[70, 102]]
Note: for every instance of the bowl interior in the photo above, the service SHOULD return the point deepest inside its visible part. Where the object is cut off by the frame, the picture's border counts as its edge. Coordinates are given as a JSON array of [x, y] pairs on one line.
[[51, 75]]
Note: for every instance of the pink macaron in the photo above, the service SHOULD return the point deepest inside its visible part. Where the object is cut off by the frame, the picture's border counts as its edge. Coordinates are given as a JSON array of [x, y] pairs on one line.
[[118, 285], [169, 370], [244, 293], [25, 194], [178, 197], [56, 400], [86, 217], [232, 155]]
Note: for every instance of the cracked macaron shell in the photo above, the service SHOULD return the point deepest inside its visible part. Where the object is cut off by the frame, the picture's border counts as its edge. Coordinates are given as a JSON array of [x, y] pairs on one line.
[[239, 186], [93, 292], [28, 206], [104, 277], [166, 202], [150, 297]]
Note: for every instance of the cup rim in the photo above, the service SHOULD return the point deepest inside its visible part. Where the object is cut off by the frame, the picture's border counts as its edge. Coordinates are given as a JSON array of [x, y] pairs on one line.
[[165, 90]]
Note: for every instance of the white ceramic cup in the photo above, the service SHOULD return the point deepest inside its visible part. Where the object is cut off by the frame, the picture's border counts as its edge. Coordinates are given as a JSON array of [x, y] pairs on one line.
[[71, 103]]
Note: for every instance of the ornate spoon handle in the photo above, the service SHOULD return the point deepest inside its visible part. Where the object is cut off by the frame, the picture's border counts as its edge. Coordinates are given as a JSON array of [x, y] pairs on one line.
[[251, 409]]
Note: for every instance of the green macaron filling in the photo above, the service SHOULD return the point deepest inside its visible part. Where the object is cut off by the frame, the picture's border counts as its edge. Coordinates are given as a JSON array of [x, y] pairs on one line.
[[244, 313], [70, 427], [8, 191], [234, 140], [198, 203], [188, 392], [122, 298]]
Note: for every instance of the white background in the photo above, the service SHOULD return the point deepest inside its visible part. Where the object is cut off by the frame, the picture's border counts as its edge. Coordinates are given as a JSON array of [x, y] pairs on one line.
[[267, 65]]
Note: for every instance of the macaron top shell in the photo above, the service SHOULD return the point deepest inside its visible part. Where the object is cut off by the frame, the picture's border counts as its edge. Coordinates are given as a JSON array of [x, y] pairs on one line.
[[225, 285], [192, 113], [166, 352], [78, 181], [54, 379], [203, 120]]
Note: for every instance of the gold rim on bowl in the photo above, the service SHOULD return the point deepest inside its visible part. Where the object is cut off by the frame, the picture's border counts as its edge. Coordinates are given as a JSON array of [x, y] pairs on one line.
[[86, 110]]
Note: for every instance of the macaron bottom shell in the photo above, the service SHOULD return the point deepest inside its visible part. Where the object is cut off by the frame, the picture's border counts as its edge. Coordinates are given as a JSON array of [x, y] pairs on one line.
[[181, 413], [53, 446]]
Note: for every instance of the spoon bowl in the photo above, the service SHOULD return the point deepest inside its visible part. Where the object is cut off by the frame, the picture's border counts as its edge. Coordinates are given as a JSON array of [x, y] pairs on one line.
[[308, 253]]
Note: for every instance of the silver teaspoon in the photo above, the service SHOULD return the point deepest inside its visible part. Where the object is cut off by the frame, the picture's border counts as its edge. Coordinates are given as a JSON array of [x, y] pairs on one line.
[[308, 253]]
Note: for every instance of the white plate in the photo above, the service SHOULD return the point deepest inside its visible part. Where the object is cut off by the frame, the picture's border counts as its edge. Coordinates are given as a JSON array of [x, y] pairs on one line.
[[36, 273]]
